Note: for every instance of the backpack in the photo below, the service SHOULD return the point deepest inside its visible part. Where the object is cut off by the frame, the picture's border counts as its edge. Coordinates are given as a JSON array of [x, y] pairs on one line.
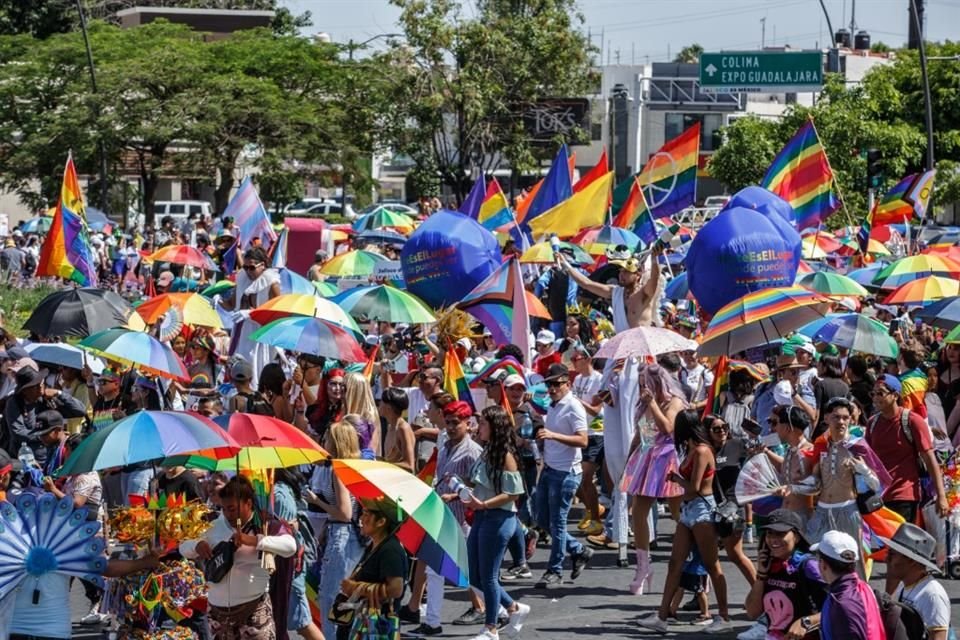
[[257, 404], [900, 620]]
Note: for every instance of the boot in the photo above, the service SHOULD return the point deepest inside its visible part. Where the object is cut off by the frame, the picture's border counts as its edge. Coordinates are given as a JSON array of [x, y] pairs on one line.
[[644, 574]]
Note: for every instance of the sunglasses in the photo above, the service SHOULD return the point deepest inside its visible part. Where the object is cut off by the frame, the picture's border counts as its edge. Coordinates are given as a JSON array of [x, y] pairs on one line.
[[721, 429], [553, 384], [879, 393], [252, 267]]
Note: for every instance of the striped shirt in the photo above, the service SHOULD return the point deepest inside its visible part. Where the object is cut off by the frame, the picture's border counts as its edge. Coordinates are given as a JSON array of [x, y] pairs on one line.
[[455, 460]]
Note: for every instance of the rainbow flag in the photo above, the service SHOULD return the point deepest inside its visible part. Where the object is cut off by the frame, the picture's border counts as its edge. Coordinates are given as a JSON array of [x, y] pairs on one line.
[[500, 304], [66, 250], [914, 391], [429, 470], [669, 179], [454, 380], [371, 362], [801, 175], [721, 378], [506, 403], [908, 198], [495, 211], [509, 363]]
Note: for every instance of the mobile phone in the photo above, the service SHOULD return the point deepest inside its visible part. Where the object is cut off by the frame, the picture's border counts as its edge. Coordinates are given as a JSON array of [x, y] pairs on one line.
[[894, 326]]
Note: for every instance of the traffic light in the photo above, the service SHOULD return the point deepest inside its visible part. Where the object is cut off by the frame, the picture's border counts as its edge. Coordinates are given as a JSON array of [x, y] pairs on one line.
[[874, 168]]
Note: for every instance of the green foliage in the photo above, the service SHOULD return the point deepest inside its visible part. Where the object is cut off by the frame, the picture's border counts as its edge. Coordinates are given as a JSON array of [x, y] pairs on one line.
[[749, 146], [689, 54], [17, 305]]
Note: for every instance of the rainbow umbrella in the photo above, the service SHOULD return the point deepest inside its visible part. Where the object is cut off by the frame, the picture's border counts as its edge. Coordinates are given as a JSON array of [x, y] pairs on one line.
[[804, 268], [135, 348], [596, 240], [953, 337], [815, 247], [311, 335], [832, 284], [293, 282], [382, 218], [856, 332], [183, 254], [914, 268], [352, 264], [866, 275], [430, 530], [325, 289], [220, 287], [148, 436], [879, 249], [265, 443], [384, 303], [542, 253], [296, 304], [760, 318], [924, 290], [193, 307]]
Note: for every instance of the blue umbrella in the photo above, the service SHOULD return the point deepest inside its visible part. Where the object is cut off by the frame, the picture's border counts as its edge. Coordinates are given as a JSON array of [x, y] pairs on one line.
[[381, 236], [944, 313], [98, 221], [857, 332], [40, 224], [677, 289], [866, 275], [293, 282]]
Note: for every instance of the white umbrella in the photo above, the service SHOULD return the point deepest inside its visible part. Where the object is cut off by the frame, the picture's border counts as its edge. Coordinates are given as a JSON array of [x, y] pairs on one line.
[[64, 355], [645, 341]]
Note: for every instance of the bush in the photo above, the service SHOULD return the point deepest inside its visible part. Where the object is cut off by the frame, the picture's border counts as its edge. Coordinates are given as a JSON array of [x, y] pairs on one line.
[[18, 304]]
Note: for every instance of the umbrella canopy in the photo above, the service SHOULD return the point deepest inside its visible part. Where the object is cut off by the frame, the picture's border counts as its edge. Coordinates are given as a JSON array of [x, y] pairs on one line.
[[819, 245], [759, 318], [183, 254], [384, 303], [381, 236], [678, 288], [804, 268], [194, 309], [953, 337], [950, 251], [357, 263], [924, 290], [877, 248], [293, 282], [944, 313], [915, 267], [325, 289], [311, 335], [148, 436], [542, 253], [644, 341], [64, 355], [295, 304], [220, 287], [265, 441], [430, 530], [78, 312], [597, 240], [857, 332], [40, 224], [381, 218], [135, 348], [866, 275], [832, 284]]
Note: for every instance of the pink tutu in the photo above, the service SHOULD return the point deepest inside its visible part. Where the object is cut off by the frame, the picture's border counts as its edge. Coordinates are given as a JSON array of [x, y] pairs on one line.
[[647, 472]]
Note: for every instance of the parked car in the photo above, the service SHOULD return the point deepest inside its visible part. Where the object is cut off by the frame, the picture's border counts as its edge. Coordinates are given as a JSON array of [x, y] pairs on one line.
[[179, 210], [326, 208], [302, 205], [390, 205]]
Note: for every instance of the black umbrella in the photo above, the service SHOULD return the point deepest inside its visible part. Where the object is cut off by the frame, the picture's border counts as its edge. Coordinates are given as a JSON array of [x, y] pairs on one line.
[[78, 312]]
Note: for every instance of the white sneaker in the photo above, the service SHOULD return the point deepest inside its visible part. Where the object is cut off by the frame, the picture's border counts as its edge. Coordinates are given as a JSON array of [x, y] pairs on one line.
[[756, 632], [719, 625], [486, 634], [517, 618], [94, 617], [653, 623]]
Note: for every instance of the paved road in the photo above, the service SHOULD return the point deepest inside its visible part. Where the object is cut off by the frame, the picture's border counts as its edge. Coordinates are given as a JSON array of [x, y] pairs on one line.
[[597, 604]]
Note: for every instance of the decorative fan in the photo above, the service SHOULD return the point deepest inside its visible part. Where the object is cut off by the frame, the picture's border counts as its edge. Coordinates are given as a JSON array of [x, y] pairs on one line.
[[757, 479], [170, 324], [43, 535]]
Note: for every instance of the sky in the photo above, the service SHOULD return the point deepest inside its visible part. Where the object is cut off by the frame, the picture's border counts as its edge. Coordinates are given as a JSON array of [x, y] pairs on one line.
[[654, 30]]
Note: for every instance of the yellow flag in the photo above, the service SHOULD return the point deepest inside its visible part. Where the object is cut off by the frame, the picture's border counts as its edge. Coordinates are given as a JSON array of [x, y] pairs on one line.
[[588, 208]]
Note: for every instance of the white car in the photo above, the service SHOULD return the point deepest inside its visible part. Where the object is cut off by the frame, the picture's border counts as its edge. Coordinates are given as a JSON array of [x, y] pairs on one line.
[[395, 207], [302, 205], [327, 208]]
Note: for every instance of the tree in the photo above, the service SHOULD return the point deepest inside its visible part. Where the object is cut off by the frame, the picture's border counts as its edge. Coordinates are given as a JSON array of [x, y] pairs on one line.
[[748, 148], [465, 82], [689, 54]]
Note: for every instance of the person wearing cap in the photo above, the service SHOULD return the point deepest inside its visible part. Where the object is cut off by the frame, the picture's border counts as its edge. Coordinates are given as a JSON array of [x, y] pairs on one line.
[[31, 398], [313, 273], [111, 405], [634, 300], [790, 369], [163, 282], [547, 354], [911, 559], [850, 611], [8, 467], [789, 589], [563, 437]]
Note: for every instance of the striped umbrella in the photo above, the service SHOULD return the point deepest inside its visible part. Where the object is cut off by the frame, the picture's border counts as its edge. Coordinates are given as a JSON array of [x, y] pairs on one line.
[[311, 335], [183, 254], [219, 287], [760, 318], [384, 303], [293, 282], [193, 307], [924, 290], [596, 240], [325, 289], [148, 436], [944, 313], [857, 332], [916, 267], [352, 264], [832, 284], [382, 218], [135, 348], [430, 531], [296, 304]]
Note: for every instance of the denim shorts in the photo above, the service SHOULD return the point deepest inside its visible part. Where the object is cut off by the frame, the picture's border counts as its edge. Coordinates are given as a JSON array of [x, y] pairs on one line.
[[697, 511]]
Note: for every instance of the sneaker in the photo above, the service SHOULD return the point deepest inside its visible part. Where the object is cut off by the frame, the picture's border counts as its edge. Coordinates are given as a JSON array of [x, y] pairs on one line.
[[94, 617], [593, 528], [719, 625], [408, 615], [531, 541], [702, 622], [502, 618], [517, 618], [580, 561], [653, 623], [486, 634], [549, 580], [470, 616], [515, 573], [426, 630], [756, 632]]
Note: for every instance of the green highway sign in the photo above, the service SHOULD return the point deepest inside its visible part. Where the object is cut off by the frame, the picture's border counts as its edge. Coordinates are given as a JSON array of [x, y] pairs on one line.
[[761, 71]]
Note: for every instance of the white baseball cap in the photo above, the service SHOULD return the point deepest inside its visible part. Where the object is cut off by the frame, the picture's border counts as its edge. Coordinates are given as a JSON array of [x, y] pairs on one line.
[[545, 336], [783, 393], [837, 545], [513, 380]]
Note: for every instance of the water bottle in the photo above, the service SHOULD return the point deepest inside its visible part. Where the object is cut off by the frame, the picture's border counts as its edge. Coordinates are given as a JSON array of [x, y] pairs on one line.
[[526, 426], [25, 455], [461, 489]]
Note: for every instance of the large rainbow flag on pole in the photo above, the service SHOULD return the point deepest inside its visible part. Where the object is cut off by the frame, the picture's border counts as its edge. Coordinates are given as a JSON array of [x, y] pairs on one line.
[[801, 175], [669, 179], [454, 380], [66, 250], [907, 199]]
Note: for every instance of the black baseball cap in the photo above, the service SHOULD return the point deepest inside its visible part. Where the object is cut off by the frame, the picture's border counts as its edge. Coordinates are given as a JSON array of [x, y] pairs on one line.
[[556, 372], [784, 520]]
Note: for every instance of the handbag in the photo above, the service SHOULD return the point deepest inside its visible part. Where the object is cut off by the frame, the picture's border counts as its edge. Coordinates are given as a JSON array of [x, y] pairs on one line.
[[868, 500], [221, 561], [344, 609], [726, 517], [373, 624]]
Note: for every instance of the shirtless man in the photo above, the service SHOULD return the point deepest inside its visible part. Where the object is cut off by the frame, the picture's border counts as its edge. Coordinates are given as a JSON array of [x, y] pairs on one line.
[[633, 304]]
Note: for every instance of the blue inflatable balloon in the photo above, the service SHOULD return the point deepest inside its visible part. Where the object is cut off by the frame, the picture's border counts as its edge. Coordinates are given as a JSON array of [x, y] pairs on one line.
[[447, 256], [739, 251], [762, 200]]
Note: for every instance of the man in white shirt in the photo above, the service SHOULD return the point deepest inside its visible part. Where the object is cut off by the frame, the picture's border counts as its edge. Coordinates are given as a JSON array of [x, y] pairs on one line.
[[910, 560], [240, 601], [562, 438], [695, 378]]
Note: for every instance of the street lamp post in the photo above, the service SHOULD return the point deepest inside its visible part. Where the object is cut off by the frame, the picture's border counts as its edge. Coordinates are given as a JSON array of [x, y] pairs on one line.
[[93, 86], [351, 47], [922, 51]]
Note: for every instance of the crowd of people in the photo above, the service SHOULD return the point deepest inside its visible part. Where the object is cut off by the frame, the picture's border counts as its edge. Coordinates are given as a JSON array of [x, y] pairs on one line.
[[633, 442]]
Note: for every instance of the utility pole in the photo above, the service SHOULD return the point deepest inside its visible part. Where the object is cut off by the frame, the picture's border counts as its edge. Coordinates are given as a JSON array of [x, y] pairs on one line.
[[96, 114], [763, 32], [916, 24]]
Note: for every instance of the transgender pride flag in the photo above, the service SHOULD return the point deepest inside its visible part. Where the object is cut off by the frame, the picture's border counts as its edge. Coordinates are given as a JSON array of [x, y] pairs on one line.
[[251, 218]]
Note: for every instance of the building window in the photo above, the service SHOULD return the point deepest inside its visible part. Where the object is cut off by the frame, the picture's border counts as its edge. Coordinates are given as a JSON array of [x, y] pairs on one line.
[[710, 123]]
